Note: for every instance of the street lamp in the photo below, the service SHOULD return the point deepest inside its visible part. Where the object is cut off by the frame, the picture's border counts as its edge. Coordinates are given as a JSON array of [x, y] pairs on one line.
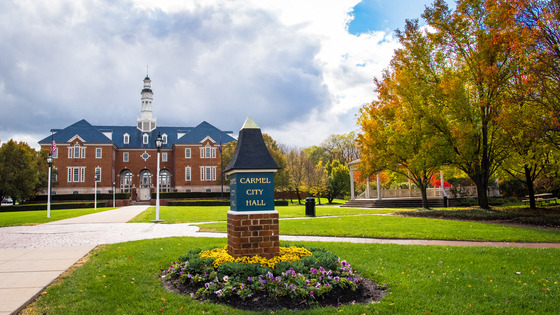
[[50, 161], [159, 142]]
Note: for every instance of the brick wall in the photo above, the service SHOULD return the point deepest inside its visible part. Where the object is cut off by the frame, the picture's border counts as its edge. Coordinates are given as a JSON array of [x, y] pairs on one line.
[[251, 234]]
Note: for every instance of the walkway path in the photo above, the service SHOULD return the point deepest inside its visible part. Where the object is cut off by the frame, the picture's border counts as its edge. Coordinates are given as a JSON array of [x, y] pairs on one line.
[[31, 257]]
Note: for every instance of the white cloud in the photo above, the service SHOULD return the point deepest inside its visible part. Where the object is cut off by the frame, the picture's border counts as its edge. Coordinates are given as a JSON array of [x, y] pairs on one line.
[[289, 64]]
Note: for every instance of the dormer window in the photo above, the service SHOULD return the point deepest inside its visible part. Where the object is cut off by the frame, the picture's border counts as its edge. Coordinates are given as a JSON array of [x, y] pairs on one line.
[[126, 138], [164, 138], [145, 138]]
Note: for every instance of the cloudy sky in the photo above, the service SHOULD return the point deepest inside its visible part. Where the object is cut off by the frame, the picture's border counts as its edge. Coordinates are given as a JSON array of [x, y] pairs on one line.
[[300, 68]]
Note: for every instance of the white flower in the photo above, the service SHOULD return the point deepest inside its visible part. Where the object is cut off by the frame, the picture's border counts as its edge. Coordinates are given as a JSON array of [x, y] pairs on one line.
[[226, 278]]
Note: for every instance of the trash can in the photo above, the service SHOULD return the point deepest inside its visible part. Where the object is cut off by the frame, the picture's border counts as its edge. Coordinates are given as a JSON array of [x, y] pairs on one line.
[[310, 206]]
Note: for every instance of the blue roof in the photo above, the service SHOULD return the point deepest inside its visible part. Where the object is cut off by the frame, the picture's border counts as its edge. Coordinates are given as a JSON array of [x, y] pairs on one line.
[[94, 134]]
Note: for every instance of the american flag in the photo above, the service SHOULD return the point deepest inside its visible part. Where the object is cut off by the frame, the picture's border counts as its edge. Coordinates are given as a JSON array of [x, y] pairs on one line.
[[53, 148]]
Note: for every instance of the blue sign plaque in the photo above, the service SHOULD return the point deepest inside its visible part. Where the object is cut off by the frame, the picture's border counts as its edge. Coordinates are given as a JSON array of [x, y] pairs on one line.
[[251, 191]]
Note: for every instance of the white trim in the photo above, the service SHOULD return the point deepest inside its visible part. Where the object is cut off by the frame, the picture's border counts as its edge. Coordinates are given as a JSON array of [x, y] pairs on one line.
[[251, 171], [76, 137], [126, 137], [208, 138], [100, 150]]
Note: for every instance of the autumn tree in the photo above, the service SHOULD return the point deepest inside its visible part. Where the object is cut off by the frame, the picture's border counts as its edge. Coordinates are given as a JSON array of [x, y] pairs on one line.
[[340, 147], [296, 164], [474, 65], [316, 181]]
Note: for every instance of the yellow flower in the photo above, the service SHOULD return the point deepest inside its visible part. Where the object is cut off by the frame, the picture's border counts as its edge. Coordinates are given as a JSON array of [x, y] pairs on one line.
[[290, 254]]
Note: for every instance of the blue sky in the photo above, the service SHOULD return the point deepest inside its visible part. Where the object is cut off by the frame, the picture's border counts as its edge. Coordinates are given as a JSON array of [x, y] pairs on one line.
[[297, 67]]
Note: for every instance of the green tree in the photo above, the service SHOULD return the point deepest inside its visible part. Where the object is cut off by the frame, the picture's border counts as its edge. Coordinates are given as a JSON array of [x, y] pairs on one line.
[[316, 182], [296, 162], [19, 171], [338, 180]]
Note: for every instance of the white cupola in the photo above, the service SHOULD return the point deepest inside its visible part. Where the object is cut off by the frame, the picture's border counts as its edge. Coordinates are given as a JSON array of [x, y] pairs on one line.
[[146, 121]]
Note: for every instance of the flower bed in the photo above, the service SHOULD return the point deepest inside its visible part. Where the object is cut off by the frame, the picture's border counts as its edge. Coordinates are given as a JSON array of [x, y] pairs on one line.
[[297, 278]]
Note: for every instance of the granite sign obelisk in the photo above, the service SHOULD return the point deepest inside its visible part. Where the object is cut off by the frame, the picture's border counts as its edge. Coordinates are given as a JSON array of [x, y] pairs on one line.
[[252, 220]]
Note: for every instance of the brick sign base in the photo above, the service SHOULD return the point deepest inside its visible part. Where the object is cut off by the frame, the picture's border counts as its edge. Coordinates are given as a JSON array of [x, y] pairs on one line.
[[253, 233]]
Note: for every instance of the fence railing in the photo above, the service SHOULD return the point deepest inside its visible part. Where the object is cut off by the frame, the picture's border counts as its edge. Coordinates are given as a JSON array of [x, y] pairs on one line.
[[451, 192]]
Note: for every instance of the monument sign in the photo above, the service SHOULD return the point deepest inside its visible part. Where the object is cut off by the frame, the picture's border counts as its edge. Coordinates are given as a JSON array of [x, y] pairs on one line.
[[252, 220]]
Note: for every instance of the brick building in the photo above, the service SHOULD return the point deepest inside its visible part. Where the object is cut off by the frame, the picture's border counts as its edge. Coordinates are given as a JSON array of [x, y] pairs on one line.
[[127, 155]]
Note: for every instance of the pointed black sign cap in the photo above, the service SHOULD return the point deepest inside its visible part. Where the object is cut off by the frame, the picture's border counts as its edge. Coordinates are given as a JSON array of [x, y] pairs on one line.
[[251, 152]]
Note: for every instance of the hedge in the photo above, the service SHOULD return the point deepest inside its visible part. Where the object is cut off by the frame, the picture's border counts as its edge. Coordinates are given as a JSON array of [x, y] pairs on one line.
[[82, 197], [190, 203], [190, 195], [54, 206]]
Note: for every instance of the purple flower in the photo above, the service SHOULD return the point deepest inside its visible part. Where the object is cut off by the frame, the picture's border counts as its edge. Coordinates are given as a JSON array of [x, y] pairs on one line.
[[250, 279], [242, 286], [318, 285], [336, 279], [218, 293], [311, 293]]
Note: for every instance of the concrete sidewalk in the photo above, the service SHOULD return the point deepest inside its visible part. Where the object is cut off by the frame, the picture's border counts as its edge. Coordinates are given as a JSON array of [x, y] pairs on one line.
[[26, 270]]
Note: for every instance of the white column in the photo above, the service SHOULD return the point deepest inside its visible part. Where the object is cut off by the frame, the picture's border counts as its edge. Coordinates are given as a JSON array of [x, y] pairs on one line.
[[352, 197], [367, 188], [379, 197], [441, 182]]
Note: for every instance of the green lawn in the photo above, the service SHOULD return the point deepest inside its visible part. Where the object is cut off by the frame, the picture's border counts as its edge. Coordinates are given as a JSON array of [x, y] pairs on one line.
[[219, 213], [124, 279], [407, 227], [40, 216]]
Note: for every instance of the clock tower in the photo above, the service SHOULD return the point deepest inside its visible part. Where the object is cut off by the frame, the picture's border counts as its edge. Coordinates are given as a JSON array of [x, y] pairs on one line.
[[146, 122]]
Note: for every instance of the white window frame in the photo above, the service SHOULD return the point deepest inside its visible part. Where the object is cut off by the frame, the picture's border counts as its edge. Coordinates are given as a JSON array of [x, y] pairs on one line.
[[188, 174], [70, 154], [187, 153], [76, 174], [213, 152], [202, 173], [76, 151], [83, 153], [164, 138], [164, 156], [145, 138], [201, 152], [98, 153], [208, 153], [125, 157], [126, 138]]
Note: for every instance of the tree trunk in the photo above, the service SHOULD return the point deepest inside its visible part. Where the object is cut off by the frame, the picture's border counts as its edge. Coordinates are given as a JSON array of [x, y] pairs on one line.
[[482, 191], [425, 204], [530, 187], [298, 197]]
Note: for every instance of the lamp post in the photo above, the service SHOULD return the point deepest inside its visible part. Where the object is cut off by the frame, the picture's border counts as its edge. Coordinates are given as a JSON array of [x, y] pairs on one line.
[[159, 142], [114, 187], [95, 193], [50, 161]]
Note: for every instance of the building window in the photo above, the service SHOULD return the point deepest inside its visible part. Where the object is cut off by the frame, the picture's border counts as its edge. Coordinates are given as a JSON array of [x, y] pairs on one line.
[[126, 181], [83, 153], [145, 138], [164, 156], [188, 173], [55, 154], [207, 173], [77, 151], [125, 156], [145, 179], [201, 153], [208, 151], [126, 138], [188, 153], [97, 153], [213, 152], [98, 174], [69, 152], [76, 174], [164, 181], [164, 138]]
